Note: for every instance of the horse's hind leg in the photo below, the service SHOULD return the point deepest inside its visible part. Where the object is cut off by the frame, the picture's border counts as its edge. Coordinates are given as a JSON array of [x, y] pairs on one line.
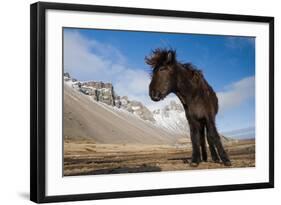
[[212, 148], [215, 138], [203, 143]]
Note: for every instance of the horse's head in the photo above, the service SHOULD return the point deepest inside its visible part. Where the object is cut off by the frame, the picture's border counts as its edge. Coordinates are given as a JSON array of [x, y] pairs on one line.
[[163, 78]]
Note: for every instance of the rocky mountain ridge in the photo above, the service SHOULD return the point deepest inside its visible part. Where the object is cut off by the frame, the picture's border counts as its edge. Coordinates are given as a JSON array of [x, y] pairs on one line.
[[105, 93]]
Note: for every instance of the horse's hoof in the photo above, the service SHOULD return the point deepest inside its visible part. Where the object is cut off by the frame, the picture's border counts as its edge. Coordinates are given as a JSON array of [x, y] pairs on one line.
[[216, 160], [204, 159], [227, 163], [194, 164]]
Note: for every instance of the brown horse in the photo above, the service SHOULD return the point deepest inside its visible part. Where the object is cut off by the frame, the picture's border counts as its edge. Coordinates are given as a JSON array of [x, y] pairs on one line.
[[197, 97]]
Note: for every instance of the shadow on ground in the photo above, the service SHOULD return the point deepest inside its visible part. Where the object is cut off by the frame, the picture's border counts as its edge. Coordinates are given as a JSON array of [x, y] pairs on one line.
[[119, 170]]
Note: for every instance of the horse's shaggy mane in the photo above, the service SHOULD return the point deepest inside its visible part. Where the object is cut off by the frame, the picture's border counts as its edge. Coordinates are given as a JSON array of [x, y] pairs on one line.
[[197, 78], [195, 72], [159, 56]]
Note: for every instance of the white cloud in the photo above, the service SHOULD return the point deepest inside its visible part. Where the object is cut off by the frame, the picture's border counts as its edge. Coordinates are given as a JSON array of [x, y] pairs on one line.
[[92, 60], [236, 93], [239, 42], [78, 60]]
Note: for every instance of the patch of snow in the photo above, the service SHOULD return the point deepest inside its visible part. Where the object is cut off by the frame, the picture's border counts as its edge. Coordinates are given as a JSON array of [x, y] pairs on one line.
[[172, 120], [136, 107]]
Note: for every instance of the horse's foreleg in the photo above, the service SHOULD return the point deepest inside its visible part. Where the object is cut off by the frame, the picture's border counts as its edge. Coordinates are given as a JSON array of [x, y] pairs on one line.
[[195, 140]]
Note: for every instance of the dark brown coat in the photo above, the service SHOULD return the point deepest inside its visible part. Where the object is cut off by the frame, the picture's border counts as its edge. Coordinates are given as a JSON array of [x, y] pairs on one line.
[[197, 97]]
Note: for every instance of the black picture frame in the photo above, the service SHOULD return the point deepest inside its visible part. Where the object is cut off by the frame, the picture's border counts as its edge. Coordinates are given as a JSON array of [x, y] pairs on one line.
[[38, 101]]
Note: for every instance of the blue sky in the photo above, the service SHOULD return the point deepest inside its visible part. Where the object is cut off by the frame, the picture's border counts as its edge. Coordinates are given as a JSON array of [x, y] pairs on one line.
[[227, 62]]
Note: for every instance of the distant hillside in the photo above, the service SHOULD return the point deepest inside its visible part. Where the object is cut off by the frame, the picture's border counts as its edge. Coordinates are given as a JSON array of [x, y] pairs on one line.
[[84, 117]]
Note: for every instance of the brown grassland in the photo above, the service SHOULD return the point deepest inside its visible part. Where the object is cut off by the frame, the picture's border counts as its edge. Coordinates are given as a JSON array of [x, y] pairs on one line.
[[82, 156]]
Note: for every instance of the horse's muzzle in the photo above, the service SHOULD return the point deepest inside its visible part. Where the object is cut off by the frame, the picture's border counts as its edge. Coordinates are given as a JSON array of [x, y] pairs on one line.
[[155, 95]]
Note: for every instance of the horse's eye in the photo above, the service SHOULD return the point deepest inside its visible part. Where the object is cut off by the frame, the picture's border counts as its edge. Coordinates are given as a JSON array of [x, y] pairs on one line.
[[161, 68]]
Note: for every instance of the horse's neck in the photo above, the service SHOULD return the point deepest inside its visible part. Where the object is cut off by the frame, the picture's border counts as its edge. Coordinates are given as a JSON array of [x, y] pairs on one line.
[[182, 99], [184, 88]]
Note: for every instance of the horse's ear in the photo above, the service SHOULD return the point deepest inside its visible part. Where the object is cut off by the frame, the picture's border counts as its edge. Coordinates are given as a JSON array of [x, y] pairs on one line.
[[171, 57]]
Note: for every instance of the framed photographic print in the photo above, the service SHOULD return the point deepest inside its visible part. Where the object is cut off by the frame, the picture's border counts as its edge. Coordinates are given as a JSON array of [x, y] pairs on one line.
[[129, 102]]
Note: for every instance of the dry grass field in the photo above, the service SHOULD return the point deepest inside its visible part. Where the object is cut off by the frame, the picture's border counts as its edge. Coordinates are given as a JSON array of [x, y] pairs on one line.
[[83, 156]]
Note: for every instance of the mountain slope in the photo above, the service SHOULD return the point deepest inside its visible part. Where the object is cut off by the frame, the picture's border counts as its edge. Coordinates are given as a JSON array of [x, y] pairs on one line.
[[84, 117], [172, 118]]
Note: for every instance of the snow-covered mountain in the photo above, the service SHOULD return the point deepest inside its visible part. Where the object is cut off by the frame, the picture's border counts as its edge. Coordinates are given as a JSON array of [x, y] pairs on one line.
[[172, 117]]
